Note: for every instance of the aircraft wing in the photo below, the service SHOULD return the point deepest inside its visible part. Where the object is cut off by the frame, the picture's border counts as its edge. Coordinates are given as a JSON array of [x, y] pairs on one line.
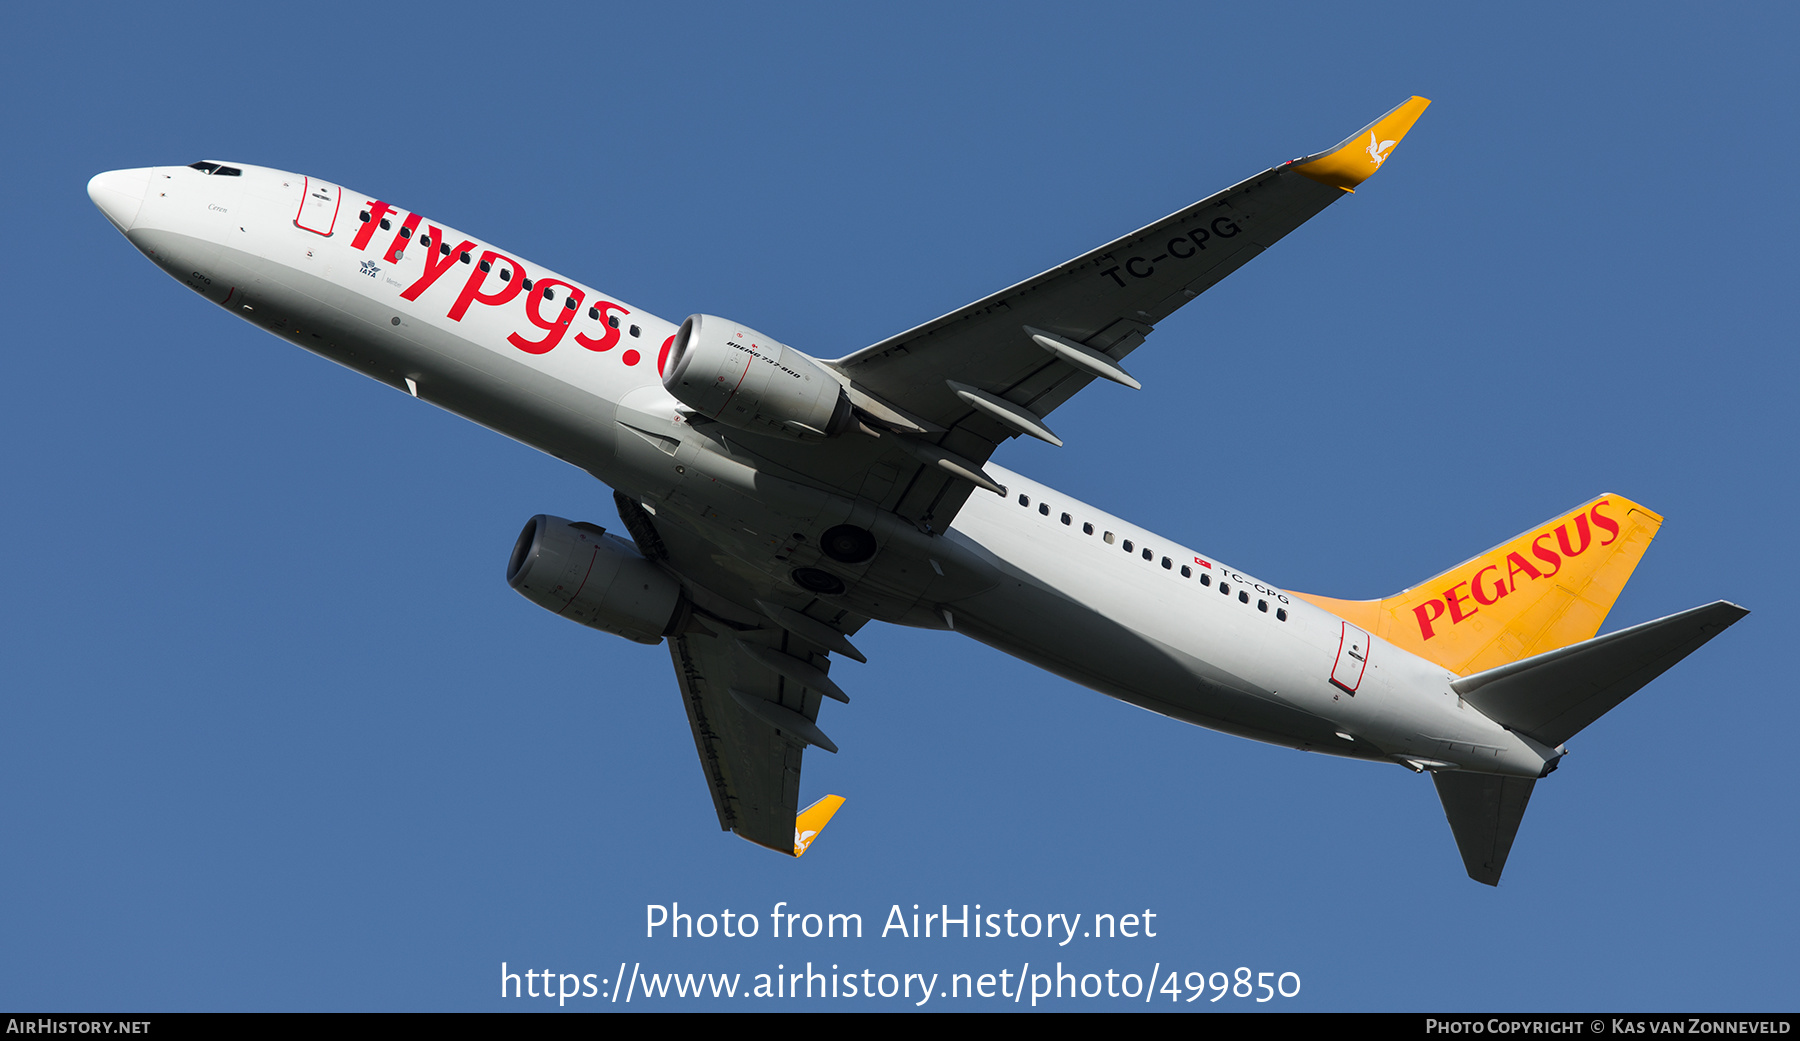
[[751, 686], [992, 370], [752, 767]]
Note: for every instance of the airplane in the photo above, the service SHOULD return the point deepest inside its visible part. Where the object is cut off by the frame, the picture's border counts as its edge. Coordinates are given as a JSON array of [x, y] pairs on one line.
[[776, 502]]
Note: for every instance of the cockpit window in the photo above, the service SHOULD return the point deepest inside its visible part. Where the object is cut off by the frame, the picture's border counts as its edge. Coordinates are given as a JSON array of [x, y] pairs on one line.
[[215, 170]]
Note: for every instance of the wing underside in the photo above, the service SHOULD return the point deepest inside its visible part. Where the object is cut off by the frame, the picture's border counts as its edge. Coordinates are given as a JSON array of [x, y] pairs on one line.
[[1021, 351], [750, 684], [752, 768], [941, 397]]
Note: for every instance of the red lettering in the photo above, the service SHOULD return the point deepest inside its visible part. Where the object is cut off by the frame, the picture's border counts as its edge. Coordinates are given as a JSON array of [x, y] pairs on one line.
[[1581, 530], [377, 210], [1499, 590], [436, 263], [401, 238], [1425, 619], [1546, 555], [611, 338], [1517, 565], [1455, 600], [553, 329], [1605, 523], [471, 291]]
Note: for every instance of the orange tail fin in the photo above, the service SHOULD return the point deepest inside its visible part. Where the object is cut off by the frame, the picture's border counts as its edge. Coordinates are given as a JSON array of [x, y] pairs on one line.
[[1547, 588]]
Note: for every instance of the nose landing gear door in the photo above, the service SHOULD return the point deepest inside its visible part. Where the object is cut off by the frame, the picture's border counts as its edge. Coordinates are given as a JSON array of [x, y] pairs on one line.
[[1352, 659], [319, 202]]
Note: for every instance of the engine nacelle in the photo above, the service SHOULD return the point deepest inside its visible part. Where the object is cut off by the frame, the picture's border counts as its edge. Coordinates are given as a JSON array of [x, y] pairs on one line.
[[741, 378], [576, 570]]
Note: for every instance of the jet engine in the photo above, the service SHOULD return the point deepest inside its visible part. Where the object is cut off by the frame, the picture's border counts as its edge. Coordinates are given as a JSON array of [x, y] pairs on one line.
[[743, 379], [576, 570]]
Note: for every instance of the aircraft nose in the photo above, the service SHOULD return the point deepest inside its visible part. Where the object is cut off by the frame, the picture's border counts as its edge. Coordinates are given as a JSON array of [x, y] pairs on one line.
[[119, 194]]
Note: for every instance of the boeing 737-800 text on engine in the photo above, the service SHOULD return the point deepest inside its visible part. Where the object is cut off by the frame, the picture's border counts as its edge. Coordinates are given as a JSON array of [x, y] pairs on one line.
[[777, 502]]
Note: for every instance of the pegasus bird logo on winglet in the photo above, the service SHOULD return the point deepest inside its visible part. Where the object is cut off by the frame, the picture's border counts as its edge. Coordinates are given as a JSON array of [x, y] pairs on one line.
[[1378, 150]]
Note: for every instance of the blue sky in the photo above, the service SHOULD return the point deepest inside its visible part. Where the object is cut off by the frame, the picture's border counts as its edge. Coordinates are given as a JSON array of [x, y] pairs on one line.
[[279, 737]]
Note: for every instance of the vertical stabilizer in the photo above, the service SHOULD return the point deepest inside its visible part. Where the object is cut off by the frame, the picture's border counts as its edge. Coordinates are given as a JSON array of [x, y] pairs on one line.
[[1546, 588]]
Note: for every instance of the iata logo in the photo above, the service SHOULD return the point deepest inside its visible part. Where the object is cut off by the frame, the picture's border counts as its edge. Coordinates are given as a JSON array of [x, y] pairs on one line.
[[1551, 550], [370, 268], [1378, 150]]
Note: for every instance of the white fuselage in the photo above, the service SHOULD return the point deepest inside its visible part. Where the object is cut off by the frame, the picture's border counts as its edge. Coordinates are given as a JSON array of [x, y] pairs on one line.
[[1093, 598]]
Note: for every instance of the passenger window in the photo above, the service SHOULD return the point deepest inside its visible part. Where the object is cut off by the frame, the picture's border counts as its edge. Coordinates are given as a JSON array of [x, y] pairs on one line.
[[505, 275], [1205, 579], [1263, 606], [363, 216], [527, 284], [1087, 529], [485, 266], [1167, 564], [386, 224], [465, 259], [425, 240], [594, 312], [1044, 508], [1187, 572], [444, 249], [1243, 597], [1225, 587], [1281, 614], [1108, 537], [634, 330], [1024, 500], [568, 304], [1066, 518], [612, 320], [549, 294], [405, 232], [1128, 545], [1147, 554]]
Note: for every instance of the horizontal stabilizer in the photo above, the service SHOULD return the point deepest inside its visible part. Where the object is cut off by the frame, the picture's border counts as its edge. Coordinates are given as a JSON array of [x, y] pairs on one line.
[[1484, 812], [1552, 696]]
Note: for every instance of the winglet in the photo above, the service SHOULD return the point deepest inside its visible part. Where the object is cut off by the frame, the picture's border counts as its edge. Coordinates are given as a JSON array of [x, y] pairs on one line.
[[812, 820], [1362, 153]]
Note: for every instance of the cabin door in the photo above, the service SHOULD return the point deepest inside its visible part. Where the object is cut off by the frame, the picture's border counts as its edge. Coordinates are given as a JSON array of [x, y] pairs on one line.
[[1352, 659]]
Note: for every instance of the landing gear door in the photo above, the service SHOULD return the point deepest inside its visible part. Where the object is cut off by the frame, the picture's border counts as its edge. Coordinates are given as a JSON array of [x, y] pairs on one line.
[[1352, 659], [319, 202]]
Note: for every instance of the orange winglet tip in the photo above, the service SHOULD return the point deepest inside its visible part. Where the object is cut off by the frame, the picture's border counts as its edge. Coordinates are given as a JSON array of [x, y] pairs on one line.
[[1362, 153], [812, 820]]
